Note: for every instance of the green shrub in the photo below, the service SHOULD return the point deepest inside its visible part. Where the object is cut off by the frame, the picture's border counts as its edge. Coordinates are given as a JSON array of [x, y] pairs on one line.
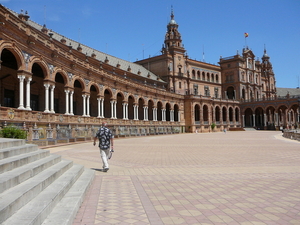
[[13, 132], [213, 125]]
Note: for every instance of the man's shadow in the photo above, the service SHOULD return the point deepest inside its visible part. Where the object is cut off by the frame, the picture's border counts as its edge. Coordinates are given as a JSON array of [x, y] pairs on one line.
[[100, 170]]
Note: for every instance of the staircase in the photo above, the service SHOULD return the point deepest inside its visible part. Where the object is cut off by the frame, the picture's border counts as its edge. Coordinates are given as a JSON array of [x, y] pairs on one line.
[[249, 129], [37, 187]]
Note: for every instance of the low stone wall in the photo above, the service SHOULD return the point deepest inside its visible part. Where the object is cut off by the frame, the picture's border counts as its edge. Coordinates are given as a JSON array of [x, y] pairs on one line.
[[292, 134]]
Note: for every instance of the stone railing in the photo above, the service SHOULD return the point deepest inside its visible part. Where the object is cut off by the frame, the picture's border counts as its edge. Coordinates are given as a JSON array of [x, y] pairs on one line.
[[51, 128], [292, 134]]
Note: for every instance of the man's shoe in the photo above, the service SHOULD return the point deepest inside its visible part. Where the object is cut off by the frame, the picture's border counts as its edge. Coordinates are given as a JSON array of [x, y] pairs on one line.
[[105, 169]]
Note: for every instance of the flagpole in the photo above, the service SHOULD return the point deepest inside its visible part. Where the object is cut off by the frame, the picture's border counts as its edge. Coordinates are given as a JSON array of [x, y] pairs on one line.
[[246, 35]]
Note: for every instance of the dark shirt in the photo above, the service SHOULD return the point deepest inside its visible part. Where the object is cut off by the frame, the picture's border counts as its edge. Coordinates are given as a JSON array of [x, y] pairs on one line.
[[104, 135]]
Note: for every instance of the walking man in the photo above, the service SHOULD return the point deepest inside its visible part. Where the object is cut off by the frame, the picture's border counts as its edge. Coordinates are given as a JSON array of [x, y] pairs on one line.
[[106, 138]]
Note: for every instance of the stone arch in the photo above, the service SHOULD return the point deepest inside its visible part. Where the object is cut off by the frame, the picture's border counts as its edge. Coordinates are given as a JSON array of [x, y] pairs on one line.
[[9, 78], [44, 66], [37, 90], [120, 99], [168, 111], [63, 74], [79, 89], [15, 51], [150, 109], [230, 114], [224, 114], [270, 117], [159, 110], [176, 112], [197, 113], [217, 113], [217, 78], [141, 103], [207, 77], [230, 92], [61, 82], [131, 101], [193, 74], [203, 76], [107, 105], [205, 111], [94, 93], [237, 114], [248, 117], [259, 118]]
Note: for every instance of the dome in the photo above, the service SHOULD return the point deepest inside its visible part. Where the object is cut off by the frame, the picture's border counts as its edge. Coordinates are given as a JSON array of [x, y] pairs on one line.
[[265, 54], [172, 21]]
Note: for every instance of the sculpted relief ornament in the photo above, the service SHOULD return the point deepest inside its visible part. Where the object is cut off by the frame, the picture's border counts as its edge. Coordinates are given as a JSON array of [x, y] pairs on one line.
[[26, 58]]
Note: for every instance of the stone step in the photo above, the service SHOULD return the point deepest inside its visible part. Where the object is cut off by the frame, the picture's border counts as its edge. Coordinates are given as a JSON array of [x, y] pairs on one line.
[[11, 142], [17, 150], [15, 198], [35, 211], [66, 210], [21, 174], [13, 162]]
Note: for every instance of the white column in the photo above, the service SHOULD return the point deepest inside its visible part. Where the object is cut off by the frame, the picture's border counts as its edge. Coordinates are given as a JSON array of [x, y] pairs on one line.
[[71, 102], [144, 110], [88, 106], [21, 93], [99, 107], [154, 114], [172, 115], [67, 102], [124, 113], [46, 97], [102, 108], [84, 105], [265, 119], [115, 109], [163, 111], [146, 113], [178, 116], [112, 109], [253, 120], [134, 112], [136, 115], [276, 119], [28, 93], [52, 98], [243, 120]]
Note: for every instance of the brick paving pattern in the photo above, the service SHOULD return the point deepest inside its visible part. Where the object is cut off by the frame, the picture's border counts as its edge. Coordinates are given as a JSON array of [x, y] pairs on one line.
[[242, 178]]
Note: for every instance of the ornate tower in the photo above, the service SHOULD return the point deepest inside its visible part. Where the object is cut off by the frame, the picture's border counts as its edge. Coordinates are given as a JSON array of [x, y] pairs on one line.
[[172, 38], [268, 77]]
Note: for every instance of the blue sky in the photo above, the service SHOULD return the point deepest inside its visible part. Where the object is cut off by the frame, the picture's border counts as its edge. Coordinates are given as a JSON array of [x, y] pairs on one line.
[[135, 29]]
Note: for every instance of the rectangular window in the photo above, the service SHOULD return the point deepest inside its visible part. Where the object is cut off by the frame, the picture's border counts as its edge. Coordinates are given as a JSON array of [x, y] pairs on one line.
[[195, 89], [216, 92], [206, 91]]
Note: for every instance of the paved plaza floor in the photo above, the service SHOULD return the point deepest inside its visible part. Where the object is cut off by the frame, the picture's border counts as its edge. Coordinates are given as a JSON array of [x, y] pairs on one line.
[[242, 178]]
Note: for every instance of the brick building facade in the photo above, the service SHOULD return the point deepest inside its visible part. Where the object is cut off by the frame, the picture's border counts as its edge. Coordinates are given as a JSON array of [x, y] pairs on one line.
[[60, 90]]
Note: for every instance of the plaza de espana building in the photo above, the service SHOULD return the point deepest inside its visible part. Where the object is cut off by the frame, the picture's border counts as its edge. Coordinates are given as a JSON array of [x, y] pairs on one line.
[[60, 90]]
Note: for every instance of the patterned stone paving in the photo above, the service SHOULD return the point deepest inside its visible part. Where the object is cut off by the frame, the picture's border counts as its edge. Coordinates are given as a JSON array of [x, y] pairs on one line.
[[242, 178]]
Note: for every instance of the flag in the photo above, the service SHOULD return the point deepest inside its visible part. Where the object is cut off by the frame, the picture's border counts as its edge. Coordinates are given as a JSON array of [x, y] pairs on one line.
[[246, 35]]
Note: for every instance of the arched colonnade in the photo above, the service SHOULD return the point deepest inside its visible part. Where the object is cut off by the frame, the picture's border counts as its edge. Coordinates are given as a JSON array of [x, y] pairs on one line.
[[271, 117], [30, 83]]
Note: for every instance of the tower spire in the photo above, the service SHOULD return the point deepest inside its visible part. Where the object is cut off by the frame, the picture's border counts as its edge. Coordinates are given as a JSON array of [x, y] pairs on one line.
[[173, 37]]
